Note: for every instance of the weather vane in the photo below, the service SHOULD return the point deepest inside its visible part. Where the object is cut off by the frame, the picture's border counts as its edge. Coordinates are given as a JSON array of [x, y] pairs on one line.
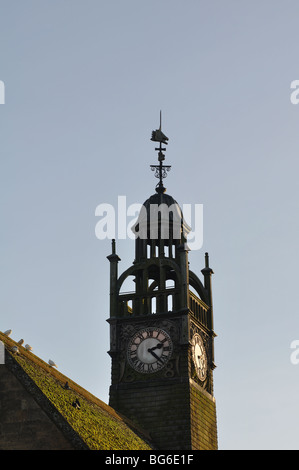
[[160, 170]]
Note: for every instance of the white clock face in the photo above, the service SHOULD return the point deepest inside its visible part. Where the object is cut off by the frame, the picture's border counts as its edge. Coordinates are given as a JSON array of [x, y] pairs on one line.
[[149, 350], [199, 357]]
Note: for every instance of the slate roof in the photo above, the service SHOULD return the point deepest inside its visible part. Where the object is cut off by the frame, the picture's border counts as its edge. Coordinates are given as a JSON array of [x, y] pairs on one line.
[[93, 425]]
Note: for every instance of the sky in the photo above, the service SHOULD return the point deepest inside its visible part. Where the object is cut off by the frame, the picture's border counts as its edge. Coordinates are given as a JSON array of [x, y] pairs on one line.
[[84, 85]]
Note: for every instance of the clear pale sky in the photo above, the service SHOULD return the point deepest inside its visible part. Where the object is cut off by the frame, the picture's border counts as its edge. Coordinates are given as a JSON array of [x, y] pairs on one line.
[[84, 85]]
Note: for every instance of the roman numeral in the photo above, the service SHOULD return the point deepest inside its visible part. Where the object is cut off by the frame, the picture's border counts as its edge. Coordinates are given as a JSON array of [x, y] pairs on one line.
[[150, 368]]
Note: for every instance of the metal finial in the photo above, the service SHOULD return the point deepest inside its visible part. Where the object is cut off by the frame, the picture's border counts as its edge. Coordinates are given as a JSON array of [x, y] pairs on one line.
[[160, 170]]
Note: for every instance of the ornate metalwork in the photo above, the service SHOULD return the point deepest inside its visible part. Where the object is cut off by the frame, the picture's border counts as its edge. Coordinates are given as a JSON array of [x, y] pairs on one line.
[[160, 170], [165, 169]]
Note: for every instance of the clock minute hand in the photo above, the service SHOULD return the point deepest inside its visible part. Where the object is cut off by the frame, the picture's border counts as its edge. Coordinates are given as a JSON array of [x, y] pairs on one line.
[[150, 350]]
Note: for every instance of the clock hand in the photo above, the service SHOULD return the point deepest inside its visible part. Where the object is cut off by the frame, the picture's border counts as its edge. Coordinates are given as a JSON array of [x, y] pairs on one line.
[[158, 346], [155, 355]]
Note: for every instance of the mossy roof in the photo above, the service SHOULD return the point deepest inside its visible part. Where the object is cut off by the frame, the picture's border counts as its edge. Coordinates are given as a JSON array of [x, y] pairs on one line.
[[96, 423]]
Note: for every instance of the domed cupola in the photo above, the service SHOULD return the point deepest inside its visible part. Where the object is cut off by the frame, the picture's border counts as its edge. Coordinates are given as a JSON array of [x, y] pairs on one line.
[[160, 223], [160, 228]]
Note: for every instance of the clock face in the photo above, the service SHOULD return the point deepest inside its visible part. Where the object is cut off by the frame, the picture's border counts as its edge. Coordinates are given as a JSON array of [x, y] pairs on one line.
[[149, 350], [199, 357]]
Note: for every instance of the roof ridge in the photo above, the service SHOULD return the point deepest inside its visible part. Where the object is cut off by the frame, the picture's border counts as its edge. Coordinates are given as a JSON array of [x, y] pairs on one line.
[[54, 372]]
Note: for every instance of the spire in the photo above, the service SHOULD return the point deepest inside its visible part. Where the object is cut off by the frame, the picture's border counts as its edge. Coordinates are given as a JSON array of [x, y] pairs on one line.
[[160, 170]]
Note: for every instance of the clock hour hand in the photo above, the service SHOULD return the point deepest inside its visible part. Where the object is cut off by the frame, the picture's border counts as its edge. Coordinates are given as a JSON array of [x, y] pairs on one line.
[[158, 346]]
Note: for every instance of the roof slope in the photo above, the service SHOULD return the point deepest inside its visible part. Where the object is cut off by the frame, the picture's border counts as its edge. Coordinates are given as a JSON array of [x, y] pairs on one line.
[[96, 423]]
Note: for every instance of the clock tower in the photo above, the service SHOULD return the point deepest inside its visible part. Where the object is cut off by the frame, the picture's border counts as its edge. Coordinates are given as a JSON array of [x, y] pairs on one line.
[[161, 332]]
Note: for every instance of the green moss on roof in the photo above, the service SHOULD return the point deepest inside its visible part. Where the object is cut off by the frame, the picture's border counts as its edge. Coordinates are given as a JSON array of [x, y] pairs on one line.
[[96, 423]]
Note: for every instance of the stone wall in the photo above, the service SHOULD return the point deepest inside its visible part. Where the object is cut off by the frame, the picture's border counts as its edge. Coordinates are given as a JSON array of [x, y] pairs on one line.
[[177, 413], [203, 419], [162, 408], [24, 425]]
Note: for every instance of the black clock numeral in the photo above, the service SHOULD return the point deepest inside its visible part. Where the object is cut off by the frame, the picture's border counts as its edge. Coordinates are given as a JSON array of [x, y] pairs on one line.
[[151, 368], [161, 338], [133, 354], [138, 364], [164, 357], [136, 361], [139, 337]]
